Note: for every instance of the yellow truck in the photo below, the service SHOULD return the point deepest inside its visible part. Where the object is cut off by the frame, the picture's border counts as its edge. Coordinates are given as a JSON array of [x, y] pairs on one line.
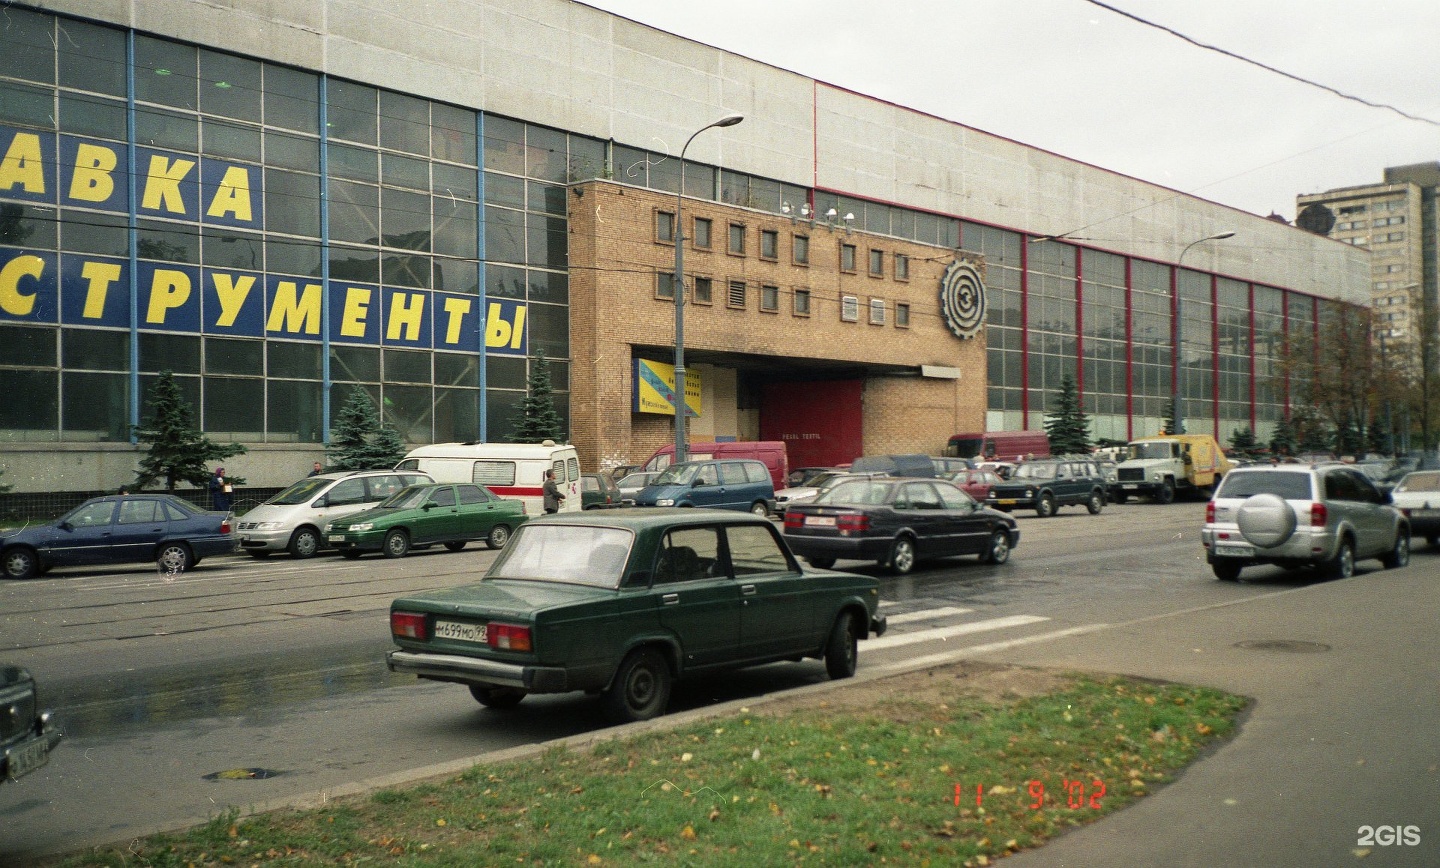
[[1162, 466]]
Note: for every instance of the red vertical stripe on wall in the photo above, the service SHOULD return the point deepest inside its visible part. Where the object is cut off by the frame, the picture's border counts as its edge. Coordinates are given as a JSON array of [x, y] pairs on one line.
[[1254, 418], [1215, 355], [1024, 333], [1175, 332], [1129, 357], [1080, 325]]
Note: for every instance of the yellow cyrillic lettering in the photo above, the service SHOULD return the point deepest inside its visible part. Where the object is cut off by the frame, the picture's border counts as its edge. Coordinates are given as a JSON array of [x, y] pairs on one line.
[[499, 332], [12, 300], [293, 314], [92, 181], [455, 311], [169, 289], [403, 315], [232, 294], [23, 165], [98, 277], [162, 184], [357, 305], [232, 196]]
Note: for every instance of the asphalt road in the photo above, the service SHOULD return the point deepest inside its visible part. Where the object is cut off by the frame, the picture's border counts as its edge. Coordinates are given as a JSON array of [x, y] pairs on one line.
[[275, 667]]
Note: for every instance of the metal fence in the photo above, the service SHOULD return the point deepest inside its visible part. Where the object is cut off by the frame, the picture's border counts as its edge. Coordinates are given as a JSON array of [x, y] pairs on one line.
[[35, 507]]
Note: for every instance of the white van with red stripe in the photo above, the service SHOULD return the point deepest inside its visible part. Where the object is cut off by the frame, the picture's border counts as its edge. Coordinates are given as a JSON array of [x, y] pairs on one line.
[[515, 470]]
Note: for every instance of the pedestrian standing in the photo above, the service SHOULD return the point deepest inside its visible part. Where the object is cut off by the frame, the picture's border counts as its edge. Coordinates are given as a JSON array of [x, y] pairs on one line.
[[553, 496], [220, 491], [317, 469]]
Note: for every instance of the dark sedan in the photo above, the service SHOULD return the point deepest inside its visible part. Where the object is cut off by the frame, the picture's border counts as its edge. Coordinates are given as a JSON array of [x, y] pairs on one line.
[[623, 602], [118, 529], [897, 522], [27, 734]]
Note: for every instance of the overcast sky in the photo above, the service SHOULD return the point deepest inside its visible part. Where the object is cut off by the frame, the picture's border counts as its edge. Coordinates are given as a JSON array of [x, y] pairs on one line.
[[1086, 83]]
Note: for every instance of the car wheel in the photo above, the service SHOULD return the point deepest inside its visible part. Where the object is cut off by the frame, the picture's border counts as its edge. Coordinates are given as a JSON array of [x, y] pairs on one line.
[[498, 537], [1398, 556], [998, 551], [350, 554], [1095, 503], [174, 558], [1342, 566], [397, 544], [840, 648], [1045, 506], [641, 689], [759, 508], [497, 697], [1121, 497], [259, 554], [821, 563], [304, 543], [455, 545], [1166, 494], [1225, 570], [21, 563], [901, 559]]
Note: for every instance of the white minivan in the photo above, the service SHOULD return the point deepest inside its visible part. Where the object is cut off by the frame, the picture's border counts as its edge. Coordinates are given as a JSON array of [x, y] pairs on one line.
[[515, 470]]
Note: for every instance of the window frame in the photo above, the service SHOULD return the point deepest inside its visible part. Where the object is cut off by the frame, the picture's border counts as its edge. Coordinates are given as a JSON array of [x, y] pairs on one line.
[[772, 292], [902, 315], [849, 308], [734, 232], [770, 245], [877, 262], [800, 249], [696, 223], [801, 299], [877, 308], [847, 251], [709, 297], [731, 286], [659, 286], [901, 266], [660, 214]]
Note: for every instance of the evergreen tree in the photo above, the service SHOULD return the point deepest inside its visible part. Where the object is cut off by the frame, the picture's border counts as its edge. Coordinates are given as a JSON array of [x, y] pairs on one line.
[[178, 451], [538, 420], [1067, 425], [1283, 442], [1243, 443], [1311, 431], [360, 440], [1171, 426]]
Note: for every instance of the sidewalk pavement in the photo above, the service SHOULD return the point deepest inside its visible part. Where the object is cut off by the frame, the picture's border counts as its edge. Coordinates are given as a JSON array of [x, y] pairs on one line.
[[1344, 733]]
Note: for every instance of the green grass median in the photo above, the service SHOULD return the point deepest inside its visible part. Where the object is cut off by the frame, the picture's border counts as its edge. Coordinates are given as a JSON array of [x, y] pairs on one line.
[[952, 766]]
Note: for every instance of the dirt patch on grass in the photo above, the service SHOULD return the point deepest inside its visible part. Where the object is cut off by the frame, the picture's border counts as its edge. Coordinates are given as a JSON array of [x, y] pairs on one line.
[[935, 685]]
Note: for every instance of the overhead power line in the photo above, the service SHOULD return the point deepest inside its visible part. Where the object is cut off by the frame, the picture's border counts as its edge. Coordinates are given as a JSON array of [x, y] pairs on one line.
[[1240, 57]]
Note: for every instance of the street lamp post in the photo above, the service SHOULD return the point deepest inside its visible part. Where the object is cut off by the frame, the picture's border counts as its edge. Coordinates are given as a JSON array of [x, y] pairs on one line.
[[1175, 413], [678, 290]]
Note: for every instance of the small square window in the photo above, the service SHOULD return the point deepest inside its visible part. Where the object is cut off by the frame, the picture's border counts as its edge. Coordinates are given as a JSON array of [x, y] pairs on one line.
[[665, 285], [847, 258], [770, 298], [902, 315], [665, 227], [902, 266], [877, 311], [769, 244], [800, 247], [802, 302], [702, 233], [736, 296], [877, 263], [703, 292], [737, 239], [849, 308]]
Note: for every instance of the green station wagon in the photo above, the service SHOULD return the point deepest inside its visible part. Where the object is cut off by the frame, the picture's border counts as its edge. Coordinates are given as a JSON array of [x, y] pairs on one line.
[[423, 515], [623, 602]]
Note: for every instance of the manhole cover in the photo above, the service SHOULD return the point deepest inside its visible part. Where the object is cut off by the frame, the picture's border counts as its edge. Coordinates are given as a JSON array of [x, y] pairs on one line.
[[1291, 645], [241, 775]]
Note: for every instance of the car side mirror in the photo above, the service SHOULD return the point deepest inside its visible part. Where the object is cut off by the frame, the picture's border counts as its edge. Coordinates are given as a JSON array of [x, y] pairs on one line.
[[65, 525]]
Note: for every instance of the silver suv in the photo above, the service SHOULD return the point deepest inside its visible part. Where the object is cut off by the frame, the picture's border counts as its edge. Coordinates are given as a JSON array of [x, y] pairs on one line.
[[291, 520], [1298, 515]]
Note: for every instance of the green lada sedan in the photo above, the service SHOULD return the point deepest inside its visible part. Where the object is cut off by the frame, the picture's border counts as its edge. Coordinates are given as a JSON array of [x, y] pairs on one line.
[[423, 515], [624, 602]]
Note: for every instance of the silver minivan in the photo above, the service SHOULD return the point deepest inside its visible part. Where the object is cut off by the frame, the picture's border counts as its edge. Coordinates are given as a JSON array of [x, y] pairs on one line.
[[292, 520]]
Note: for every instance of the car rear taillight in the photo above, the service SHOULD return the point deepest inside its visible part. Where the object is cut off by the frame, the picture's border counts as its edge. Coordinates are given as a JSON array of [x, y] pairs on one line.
[[854, 522], [794, 519], [1210, 512], [1318, 515], [408, 625], [507, 637], [225, 526]]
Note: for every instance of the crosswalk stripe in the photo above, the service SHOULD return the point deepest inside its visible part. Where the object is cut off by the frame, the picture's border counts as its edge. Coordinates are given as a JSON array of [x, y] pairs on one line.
[[948, 632], [926, 615]]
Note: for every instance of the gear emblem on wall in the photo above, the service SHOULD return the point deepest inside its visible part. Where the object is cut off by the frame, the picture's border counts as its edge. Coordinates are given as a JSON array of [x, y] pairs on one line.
[[962, 299]]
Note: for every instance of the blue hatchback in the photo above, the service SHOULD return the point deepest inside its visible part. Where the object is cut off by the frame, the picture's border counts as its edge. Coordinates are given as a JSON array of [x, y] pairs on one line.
[[119, 529], [722, 483]]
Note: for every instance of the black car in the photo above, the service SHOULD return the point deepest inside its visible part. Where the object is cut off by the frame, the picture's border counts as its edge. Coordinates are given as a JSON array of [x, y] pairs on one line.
[[896, 522], [27, 734], [1047, 484], [119, 529]]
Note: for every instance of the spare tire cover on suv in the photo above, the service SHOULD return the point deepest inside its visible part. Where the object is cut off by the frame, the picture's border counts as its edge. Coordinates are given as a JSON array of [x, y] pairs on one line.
[[1266, 520]]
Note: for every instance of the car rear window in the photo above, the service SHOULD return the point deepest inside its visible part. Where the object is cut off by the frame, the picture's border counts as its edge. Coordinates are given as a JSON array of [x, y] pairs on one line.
[[1290, 486]]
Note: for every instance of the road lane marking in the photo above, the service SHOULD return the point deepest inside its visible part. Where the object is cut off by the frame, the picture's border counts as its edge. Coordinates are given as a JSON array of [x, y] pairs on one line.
[[943, 633], [926, 615], [969, 650]]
